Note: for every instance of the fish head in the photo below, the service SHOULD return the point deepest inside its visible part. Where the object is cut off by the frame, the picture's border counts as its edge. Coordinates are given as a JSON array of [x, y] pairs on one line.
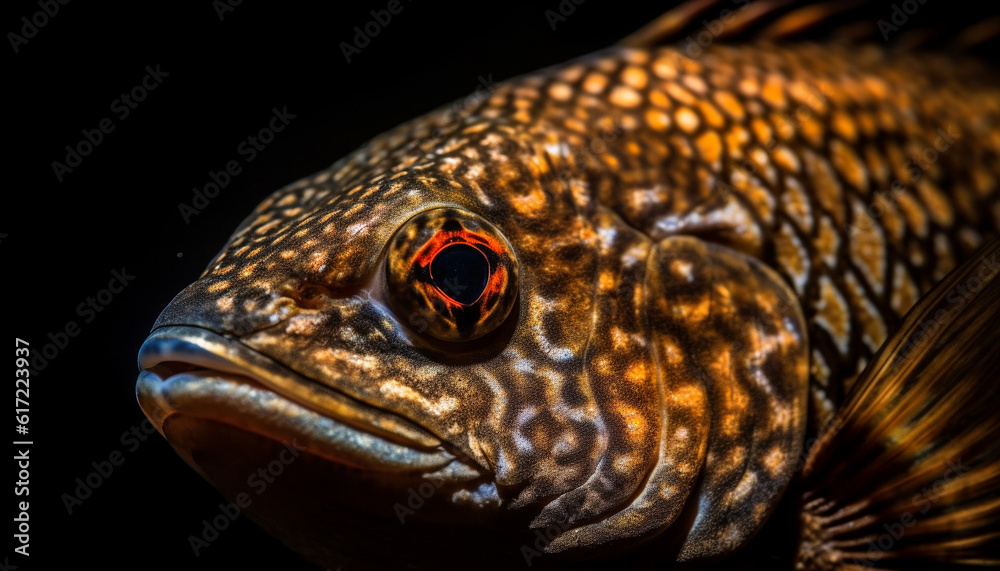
[[392, 326], [448, 309]]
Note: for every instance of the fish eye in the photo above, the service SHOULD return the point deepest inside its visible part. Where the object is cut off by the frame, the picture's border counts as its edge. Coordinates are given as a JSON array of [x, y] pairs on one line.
[[451, 274], [460, 272]]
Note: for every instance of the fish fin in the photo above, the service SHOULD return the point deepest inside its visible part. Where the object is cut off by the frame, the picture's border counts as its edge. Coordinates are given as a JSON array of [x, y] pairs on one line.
[[740, 20], [851, 22], [978, 34], [918, 39], [856, 32], [805, 19], [668, 26], [908, 474], [979, 38]]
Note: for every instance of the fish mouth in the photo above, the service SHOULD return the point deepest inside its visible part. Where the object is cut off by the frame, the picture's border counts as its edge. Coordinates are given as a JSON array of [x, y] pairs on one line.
[[193, 372]]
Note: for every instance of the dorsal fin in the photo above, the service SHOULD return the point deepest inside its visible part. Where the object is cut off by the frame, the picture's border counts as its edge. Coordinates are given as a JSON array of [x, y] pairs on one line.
[[978, 34], [668, 26], [855, 32], [805, 19], [851, 21], [919, 38], [751, 17], [741, 19]]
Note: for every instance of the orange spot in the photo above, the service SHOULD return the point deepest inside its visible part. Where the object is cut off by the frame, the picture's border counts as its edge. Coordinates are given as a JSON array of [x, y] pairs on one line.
[[623, 96], [736, 139], [773, 92], [761, 130], [635, 77], [711, 115], [680, 94], [695, 83], [690, 396], [687, 119], [843, 126], [730, 105], [774, 461], [665, 67], [635, 423], [710, 147], [576, 125], [606, 281], [659, 99], [636, 373], [749, 87], [847, 163], [657, 120], [530, 203], [786, 159], [595, 83], [560, 91]]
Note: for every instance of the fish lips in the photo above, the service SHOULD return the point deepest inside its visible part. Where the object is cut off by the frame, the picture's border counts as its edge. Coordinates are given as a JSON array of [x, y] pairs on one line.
[[193, 373]]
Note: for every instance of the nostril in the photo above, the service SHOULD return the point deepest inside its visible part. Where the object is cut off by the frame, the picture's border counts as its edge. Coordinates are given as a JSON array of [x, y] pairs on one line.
[[297, 294], [308, 295]]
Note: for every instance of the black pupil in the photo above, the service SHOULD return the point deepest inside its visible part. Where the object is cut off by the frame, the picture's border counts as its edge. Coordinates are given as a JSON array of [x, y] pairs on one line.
[[460, 272]]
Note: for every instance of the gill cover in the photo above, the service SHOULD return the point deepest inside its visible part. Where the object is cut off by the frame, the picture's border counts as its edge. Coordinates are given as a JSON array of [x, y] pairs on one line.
[[726, 368]]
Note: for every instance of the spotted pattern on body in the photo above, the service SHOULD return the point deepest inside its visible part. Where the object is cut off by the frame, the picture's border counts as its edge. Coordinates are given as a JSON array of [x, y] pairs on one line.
[[701, 242]]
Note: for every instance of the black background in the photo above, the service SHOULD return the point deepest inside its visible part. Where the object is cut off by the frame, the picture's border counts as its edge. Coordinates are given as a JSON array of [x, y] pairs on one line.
[[119, 208]]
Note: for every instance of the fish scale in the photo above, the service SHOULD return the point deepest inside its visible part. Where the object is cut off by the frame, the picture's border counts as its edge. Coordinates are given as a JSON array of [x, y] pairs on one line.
[[756, 141], [711, 249]]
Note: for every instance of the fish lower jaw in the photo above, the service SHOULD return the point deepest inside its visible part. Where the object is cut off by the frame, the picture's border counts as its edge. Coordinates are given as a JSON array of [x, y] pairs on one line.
[[191, 373]]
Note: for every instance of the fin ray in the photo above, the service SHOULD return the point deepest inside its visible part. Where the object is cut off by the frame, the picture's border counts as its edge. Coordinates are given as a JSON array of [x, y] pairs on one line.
[[910, 470]]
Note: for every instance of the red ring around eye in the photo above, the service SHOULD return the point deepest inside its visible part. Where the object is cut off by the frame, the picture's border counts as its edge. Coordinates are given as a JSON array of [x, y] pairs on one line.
[[439, 249], [445, 238], [491, 249]]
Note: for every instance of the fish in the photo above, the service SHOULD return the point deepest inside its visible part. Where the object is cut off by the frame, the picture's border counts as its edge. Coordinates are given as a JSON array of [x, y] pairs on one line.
[[706, 305]]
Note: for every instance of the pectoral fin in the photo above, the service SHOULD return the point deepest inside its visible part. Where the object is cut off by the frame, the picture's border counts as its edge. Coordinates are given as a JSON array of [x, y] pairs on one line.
[[908, 475]]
